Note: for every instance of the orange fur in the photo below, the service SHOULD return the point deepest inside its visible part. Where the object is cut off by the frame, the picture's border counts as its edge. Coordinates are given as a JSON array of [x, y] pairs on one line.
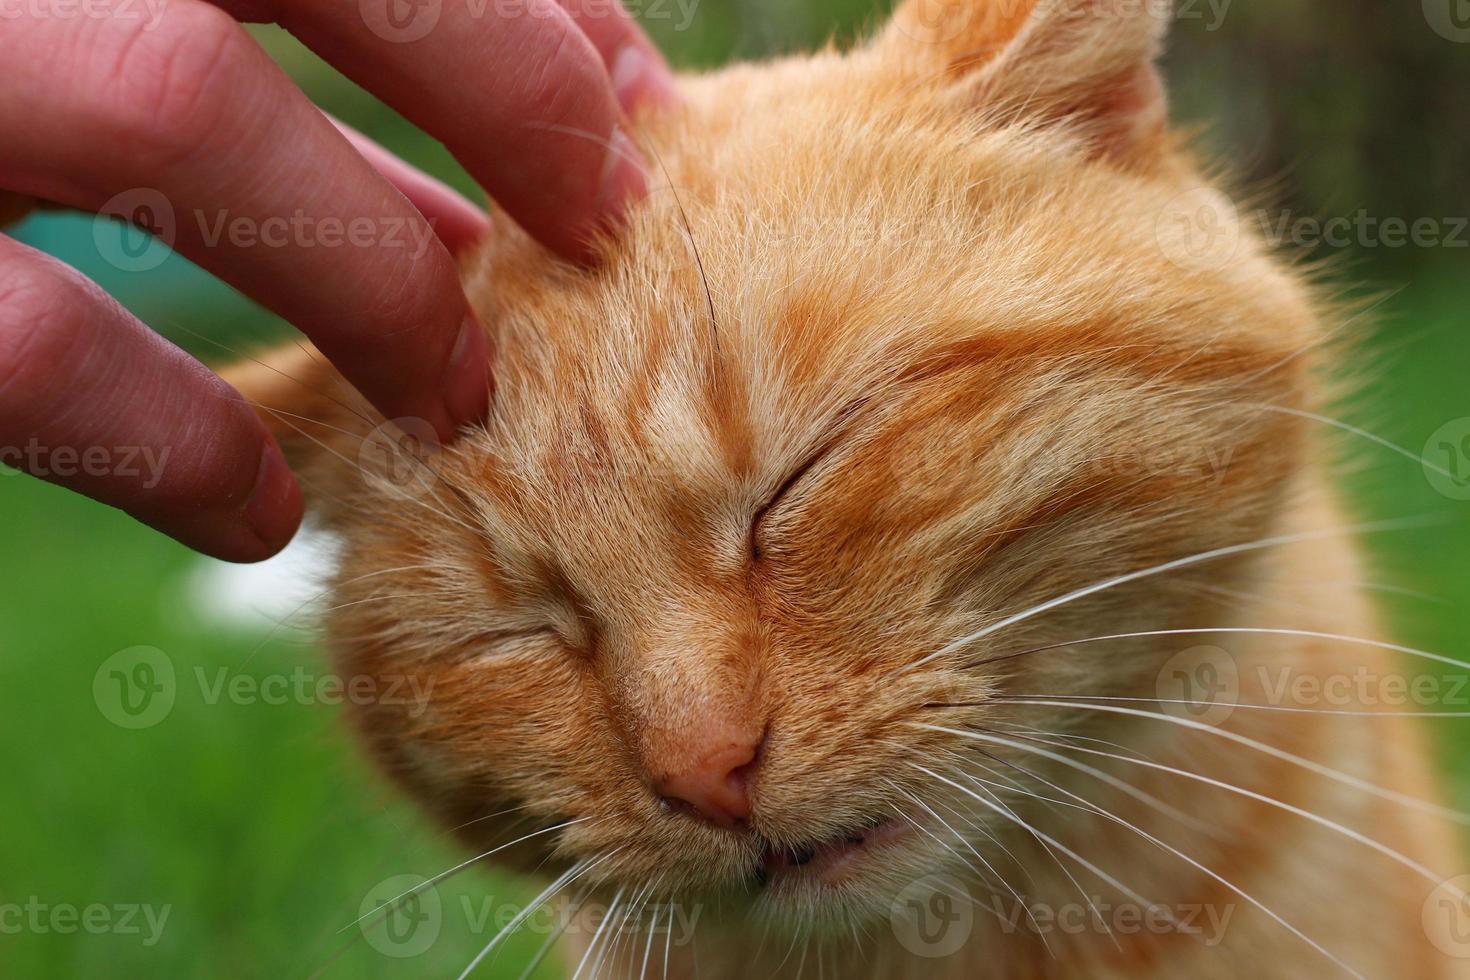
[[898, 351]]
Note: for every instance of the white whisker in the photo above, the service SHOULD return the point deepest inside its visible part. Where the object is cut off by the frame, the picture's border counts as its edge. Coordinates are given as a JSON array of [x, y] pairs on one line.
[[1169, 566], [1241, 630], [1193, 863], [1327, 772]]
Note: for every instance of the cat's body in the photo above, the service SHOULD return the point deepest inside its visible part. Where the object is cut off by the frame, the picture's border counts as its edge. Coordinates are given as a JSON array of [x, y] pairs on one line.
[[913, 343]]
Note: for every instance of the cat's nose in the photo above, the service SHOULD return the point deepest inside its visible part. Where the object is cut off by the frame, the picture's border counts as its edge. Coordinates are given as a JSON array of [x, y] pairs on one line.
[[717, 784]]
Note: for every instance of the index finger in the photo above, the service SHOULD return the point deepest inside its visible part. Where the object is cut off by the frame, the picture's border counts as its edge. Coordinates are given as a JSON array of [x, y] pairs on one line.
[[514, 88]]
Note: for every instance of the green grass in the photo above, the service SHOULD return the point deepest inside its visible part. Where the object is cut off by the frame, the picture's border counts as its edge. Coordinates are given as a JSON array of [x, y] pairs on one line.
[[257, 825]]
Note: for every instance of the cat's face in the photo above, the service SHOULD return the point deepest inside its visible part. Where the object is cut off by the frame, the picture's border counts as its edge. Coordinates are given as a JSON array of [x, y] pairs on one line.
[[882, 364]]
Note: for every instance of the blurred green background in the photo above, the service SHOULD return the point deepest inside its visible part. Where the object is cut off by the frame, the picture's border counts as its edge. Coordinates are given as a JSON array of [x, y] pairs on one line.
[[259, 828]]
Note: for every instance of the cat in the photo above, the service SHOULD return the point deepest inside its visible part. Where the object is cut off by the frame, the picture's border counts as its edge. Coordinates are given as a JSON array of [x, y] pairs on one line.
[[793, 588]]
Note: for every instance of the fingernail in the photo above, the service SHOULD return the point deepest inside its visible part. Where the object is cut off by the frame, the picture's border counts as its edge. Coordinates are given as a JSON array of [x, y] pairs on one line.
[[640, 76], [275, 505], [622, 175], [467, 378]]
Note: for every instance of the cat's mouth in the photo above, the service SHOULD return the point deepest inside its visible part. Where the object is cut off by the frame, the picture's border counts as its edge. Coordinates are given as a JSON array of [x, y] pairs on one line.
[[826, 860]]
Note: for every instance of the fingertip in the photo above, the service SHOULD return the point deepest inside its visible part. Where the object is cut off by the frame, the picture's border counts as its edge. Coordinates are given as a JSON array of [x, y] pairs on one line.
[[275, 508], [624, 178], [641, 78], [468, 378]]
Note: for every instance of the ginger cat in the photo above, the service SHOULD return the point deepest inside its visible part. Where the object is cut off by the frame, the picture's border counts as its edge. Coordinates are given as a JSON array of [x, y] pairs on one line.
[[780, 596]]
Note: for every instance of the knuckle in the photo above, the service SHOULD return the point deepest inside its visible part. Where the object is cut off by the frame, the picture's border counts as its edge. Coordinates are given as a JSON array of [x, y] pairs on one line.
[[174, 85]]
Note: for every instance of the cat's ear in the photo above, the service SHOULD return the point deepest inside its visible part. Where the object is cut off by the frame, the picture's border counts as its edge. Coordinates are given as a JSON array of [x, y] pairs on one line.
[[1089, 63]]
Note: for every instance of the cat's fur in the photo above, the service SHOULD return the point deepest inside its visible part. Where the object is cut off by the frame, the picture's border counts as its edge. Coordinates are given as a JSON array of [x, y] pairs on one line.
[[905, 343]]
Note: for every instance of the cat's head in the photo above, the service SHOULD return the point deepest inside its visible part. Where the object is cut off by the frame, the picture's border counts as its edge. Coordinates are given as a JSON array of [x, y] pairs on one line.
[[905, 342]]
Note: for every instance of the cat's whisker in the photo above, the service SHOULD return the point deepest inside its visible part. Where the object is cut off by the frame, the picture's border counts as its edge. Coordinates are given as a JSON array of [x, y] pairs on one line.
[[545, 948], [387, 598], [633, 916], [1332, 825], [1025, 730], [409, 498], [389, 906], [1260, 544], [597, 936], [1007, 814], [1327, 772], [1236, 631], [1147, 799], [1067, 872], [668, 940], [565, 878], [1362, 434], [648, 946], [980, 857], [285, 622], [982, 831], [1241, 706], [234, 352], [1274, 916]]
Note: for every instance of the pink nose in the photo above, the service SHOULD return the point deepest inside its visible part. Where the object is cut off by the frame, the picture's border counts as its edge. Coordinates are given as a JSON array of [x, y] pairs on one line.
[[717, 786]]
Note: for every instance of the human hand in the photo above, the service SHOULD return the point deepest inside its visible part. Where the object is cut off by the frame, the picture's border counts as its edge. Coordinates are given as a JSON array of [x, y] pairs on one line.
[[179, 100]]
